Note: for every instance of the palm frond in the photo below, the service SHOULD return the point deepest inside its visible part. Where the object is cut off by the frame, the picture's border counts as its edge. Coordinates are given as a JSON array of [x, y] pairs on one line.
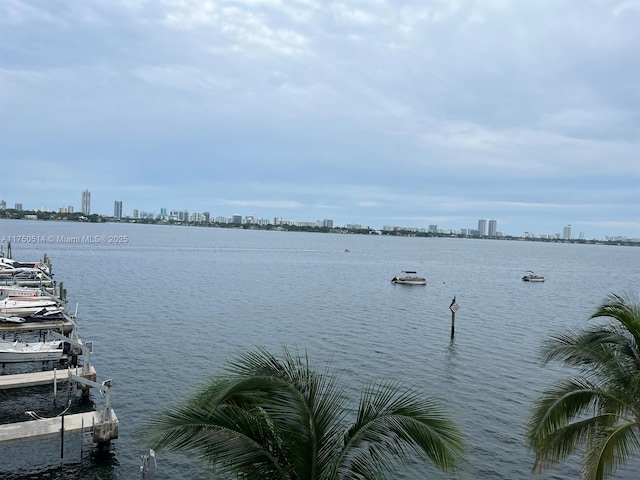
[[599, 410], [275, 418], [393, 423], [609, 449]]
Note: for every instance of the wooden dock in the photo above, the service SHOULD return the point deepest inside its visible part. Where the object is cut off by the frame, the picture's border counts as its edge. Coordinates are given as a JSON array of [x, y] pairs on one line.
[[40, 378], [53, 427], [103, 423]]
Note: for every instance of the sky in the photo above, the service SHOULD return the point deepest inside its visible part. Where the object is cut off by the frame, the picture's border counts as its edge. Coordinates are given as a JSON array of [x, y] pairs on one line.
[[372, 112]]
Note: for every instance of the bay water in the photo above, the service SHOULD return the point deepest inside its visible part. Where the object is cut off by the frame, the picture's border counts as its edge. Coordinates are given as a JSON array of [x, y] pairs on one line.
[[167, 306]]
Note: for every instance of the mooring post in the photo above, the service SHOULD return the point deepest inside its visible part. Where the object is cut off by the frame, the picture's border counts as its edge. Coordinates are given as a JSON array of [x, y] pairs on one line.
[[62, 437], [454, 308]]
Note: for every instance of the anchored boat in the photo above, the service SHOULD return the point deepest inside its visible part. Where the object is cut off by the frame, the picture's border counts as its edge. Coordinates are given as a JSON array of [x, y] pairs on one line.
[[409, 277], [532, 277]]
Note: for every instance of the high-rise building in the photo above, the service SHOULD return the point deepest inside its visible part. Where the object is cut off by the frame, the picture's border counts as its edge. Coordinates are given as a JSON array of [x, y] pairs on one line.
[[19, 207], [136, 213], [117, 209], [482, 227], [566, 233], [86, 202], [493, 228], [3, 205], [70, 209]]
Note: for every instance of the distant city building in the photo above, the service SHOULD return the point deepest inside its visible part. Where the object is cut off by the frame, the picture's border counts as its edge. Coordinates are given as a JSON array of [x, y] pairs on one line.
[[327, 222], [207, 216], [493, 228], [70, 209], [18, 207], [566, 233], [117, 209], [136, 213], [3, 205], [433, 228], [86, 202], [482, 227], [236, 219], [62, 210]]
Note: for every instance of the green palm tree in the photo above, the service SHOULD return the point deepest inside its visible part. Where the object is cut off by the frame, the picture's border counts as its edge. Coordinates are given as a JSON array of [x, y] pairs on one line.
[[270, 418], [597, 411]]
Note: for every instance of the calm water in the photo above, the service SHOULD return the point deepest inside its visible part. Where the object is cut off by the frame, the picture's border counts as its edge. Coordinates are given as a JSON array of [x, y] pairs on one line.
[[168, 308]]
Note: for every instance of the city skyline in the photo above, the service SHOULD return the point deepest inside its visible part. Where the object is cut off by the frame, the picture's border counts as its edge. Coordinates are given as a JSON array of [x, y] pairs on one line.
[[380, 113], [207, 216]]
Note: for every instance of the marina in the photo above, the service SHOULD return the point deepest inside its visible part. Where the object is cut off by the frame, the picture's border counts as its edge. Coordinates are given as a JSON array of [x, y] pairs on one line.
[[39, 339]]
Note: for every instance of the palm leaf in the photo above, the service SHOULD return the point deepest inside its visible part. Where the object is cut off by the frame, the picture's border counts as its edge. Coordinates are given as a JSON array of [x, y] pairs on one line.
[[599, 411]]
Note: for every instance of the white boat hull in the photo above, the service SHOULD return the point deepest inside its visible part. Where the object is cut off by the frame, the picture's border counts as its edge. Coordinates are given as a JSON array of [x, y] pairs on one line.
[[409, 280], [17, 352], [25, 306]]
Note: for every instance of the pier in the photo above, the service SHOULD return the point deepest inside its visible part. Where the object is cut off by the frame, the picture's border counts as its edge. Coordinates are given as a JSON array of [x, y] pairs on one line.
[[48, 377], [28, 331], [102, 431]]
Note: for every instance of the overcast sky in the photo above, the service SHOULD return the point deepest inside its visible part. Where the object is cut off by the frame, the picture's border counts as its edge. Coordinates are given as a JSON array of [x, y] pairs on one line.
[[377, 112]]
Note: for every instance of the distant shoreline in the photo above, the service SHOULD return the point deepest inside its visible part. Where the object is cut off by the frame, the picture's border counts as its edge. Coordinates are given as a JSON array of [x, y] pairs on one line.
[[400, 232]]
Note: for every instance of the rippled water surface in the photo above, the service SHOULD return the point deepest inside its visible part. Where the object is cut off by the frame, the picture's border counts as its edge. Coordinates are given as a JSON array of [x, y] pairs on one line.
[[169, 307]]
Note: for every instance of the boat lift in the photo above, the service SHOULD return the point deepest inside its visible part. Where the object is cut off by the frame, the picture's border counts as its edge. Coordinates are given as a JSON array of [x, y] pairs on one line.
[[105, 422], [83, 349]]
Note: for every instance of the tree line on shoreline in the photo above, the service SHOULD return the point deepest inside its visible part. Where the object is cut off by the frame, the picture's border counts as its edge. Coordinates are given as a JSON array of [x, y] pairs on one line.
[[398, 232]]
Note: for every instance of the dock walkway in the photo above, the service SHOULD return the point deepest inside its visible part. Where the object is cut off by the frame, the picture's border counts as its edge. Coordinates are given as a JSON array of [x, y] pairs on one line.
[[51, 427], [39, 378]]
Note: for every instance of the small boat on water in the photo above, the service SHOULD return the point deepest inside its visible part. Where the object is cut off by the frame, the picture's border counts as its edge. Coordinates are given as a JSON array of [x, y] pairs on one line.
[[409, 277], [16, 352], [529, 276]]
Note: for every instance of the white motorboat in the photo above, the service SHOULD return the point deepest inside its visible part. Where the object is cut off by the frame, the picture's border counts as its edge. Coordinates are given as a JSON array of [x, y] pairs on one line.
[[19, 291], [529, 276], [25, 306], [409, 277], [16, 352]]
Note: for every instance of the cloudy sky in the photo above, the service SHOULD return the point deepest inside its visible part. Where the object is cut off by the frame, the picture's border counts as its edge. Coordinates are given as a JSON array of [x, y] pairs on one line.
[[377, 112]]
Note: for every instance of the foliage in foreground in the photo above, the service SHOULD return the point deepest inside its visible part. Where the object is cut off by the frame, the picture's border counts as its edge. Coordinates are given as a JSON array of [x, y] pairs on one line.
[[597, 411], [276, 418]]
